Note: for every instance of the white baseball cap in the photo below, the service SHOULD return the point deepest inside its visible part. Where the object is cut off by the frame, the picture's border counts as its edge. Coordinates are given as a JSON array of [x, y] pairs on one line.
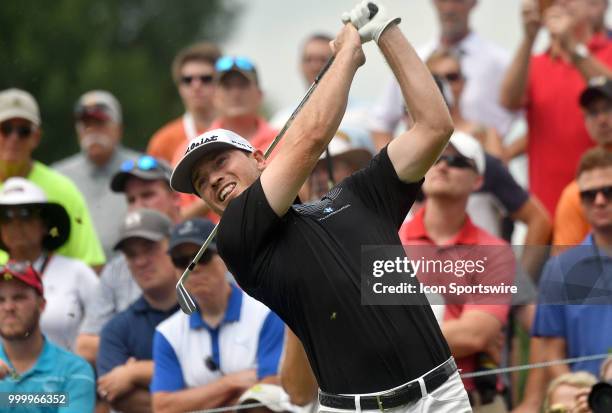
[[18, 191], [469, 147], [180, 180], [17, 103], [343, 146]]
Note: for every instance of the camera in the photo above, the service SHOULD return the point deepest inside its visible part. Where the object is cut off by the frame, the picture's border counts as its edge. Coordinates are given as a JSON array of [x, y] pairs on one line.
[[600, 398]]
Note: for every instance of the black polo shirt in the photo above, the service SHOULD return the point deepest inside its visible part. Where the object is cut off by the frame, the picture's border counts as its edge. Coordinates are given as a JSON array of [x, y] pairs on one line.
[[306, 267]]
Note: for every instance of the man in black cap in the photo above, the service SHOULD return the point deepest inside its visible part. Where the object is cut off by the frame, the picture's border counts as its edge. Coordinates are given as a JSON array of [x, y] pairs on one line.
[[225, 316], [125, 359], [570, 224]]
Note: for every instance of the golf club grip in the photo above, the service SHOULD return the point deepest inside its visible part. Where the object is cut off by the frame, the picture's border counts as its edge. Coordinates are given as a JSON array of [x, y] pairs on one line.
[[373, 9]]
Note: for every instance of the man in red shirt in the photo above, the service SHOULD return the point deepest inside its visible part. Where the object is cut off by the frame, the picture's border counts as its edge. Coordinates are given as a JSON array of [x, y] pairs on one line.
[[548, 87], [470, 328]]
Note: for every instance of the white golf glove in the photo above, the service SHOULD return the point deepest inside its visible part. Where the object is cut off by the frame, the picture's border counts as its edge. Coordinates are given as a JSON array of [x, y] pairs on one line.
[[369, 28]]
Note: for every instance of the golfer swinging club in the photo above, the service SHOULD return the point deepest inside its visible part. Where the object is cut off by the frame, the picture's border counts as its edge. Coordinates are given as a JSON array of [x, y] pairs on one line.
[[303, 261]]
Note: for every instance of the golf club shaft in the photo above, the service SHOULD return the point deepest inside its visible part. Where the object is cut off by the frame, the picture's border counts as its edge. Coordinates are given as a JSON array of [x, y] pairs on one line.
[[266, 154]]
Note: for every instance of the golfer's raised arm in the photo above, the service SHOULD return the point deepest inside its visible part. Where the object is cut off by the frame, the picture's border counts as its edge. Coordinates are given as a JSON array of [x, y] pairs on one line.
[[414, 151], [314, 126]]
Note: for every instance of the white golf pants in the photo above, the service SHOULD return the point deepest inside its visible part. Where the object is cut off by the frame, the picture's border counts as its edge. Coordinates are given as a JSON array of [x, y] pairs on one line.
[[450, 397]]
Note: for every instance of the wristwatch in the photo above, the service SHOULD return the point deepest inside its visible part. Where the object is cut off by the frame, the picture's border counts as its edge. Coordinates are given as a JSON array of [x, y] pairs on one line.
[[581, 51]]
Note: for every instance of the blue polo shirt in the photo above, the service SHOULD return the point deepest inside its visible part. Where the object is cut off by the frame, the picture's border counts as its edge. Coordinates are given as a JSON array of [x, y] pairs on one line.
[[250, 336], [56, 370], [575, 303], [130, 334]]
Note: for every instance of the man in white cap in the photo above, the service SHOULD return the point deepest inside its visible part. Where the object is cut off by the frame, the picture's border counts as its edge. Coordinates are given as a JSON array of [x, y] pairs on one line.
[[20, 134], [99, 131], [303, 261], [470, 328]]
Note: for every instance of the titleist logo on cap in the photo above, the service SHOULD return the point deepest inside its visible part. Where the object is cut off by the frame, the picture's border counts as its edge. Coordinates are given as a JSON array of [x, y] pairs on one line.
[[202, 141]]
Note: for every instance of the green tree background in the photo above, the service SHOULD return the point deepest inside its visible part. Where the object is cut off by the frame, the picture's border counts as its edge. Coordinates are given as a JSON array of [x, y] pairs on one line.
[[59, 49]]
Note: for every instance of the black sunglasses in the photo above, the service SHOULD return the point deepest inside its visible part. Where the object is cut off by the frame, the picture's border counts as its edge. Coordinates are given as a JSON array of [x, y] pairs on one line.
[[23, 213], [22, 131], [457, 161], [452, 76], [183, 261], [589, 195], [204, 79]]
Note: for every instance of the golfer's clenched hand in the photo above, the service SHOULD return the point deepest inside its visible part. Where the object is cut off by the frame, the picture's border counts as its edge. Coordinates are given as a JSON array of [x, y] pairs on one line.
[[348, 41]]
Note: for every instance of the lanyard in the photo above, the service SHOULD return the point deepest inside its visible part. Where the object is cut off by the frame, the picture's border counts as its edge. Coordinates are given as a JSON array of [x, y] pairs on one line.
[[41, 263]]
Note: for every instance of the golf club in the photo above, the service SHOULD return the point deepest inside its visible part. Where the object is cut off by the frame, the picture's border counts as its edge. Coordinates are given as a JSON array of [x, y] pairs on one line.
[[329, 164], [185, 299]]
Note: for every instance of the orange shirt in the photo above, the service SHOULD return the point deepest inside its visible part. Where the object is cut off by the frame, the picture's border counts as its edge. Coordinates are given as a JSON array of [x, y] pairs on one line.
[[570, 224], [262, 138], [173, 136], [164, 142]]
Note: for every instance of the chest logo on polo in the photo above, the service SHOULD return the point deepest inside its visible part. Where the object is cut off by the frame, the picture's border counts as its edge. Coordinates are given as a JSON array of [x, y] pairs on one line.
[[328, 206]]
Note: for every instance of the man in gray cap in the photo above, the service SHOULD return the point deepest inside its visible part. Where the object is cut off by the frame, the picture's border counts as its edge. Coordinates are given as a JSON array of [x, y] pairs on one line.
[[99, 131], [20, 134], [145, 184], [125, 359]]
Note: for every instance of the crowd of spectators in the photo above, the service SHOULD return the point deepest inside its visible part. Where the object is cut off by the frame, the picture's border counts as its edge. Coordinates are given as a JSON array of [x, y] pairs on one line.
[[94, 244]]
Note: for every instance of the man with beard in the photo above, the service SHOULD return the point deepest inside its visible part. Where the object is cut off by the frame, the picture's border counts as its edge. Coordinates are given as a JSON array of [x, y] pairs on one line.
[[29, 363], [98, 126]]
